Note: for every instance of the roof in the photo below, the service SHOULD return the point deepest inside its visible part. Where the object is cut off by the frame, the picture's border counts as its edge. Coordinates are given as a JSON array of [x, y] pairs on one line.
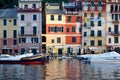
[[70, 5], [8, 13], [53, 4], [55, 11]]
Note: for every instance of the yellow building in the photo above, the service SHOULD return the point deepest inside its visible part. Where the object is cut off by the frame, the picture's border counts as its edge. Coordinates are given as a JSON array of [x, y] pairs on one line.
[[55, 24], [8, 31]]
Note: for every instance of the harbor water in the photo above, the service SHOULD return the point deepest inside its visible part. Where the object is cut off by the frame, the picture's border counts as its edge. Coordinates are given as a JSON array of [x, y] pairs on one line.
[[61, 69]]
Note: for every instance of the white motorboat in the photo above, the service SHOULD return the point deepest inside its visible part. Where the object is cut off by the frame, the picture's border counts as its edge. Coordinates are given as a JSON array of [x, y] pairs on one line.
[[15, 57], [103, 57]]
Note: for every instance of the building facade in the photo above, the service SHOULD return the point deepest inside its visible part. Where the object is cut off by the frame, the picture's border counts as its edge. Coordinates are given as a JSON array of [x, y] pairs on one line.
[[73, 28], [55, 32], [30, 26], [8, 31], [94, 26], [113, 23]]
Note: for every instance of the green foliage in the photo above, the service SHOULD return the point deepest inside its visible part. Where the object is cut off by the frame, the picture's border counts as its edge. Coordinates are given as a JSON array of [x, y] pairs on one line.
[[8, 3]]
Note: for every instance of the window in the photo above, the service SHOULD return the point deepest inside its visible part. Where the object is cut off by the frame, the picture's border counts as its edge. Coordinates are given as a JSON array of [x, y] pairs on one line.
[[116, 29], [14, 33], [99, 15], [52, 41], [34, 17], [52, 17], [58, 40], [14, 22], [14, 42], [4, 33], [52, 29], [85, 34], [22, 17], [99, 4], [92, 4], [85, 43], [4, 22], [69, 18], [111, 8], [22, 30], [67, 30], [80, 29], [59, 17], [59, 29], [73, 39], [85, 14], [92, 23], [34, 5], [99, 43], [4, 42], [73, 29], [116, 8], [23, 40], [92, 14], [92, 42], [78, 19], [109, 40], [116, 17], [113, 16], [109, 29], [99, 23], [92, 33], [34, 30], [115, 39], [99, 33]]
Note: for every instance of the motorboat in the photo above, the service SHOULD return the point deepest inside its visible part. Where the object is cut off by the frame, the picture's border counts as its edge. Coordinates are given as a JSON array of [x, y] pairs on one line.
[[27, 58], [103, 57]]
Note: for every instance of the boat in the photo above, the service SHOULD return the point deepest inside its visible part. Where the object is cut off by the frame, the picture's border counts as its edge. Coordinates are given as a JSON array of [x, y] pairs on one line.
[[27, 58], [103, 57]]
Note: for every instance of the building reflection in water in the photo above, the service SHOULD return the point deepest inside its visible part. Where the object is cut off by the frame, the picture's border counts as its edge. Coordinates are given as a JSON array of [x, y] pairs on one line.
[[22, 72], [101, 71], [63, 69]]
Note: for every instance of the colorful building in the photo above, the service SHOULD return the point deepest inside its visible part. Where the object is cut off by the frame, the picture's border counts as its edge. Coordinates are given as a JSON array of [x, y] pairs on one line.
[[30, 26], [55, 28], [8, 31], [73, 27], [94, 26], [113, 23]]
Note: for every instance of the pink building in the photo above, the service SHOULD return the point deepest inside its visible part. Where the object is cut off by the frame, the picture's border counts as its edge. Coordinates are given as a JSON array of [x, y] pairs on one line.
[[30, 26]]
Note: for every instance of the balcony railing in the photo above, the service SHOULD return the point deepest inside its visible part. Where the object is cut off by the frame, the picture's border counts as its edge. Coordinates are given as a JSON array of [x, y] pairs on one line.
[[115, 22], [114, 33], [29, 9], [72, 13]]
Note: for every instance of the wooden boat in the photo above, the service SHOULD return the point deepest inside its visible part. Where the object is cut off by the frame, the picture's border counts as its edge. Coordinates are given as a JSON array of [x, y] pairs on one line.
[[24, 59]]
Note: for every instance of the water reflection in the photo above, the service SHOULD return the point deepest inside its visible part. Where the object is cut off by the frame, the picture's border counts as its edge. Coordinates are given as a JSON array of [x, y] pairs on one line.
[[101, 71], [22, 72], [61, 70]]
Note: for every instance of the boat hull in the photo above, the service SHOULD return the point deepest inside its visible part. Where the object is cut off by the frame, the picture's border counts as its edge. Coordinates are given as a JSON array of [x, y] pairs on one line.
[[36, 59]]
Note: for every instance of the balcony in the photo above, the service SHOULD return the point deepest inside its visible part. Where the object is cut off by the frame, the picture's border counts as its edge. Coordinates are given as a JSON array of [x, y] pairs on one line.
[[114, 34], [27, 34], [72, 13], [115, 22], [29, 9]]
